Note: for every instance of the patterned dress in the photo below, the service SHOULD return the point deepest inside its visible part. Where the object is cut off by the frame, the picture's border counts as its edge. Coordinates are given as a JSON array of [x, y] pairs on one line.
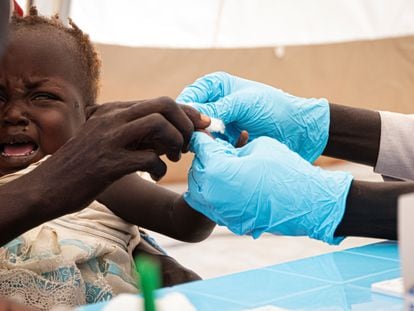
[[80, 258]]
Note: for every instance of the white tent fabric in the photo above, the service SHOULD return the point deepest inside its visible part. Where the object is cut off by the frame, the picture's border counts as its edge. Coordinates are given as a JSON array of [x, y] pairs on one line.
[[240, 23]]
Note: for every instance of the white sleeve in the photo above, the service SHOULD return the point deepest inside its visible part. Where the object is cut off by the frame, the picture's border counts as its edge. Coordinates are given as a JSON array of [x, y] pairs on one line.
[[396, 152]]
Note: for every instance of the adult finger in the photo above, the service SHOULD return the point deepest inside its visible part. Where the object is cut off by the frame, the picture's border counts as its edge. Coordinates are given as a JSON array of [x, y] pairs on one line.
[[152, 132], [109, 108], [168, 108], [148, 161], [129, 161], [200, 121], [206, 89]]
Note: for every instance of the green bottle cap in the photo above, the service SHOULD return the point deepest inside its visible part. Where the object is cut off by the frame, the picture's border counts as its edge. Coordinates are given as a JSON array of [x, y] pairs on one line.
[[149, 272]]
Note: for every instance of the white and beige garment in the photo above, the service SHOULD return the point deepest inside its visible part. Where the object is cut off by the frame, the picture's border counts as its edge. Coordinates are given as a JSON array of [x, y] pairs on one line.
[[79, 258]]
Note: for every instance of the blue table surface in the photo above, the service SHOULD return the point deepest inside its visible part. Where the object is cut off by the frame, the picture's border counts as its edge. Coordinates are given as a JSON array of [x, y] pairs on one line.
[[334, 281]]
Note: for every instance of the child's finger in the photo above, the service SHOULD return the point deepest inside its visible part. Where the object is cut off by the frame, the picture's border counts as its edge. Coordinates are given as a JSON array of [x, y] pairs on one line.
[[243, 139]]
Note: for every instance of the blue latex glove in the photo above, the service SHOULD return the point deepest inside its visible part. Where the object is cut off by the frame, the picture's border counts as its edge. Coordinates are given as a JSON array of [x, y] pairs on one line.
[[300, 123], [265, 187]]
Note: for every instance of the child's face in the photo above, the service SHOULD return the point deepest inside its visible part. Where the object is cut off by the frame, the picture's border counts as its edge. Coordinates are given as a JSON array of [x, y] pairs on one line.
[[41, 103]]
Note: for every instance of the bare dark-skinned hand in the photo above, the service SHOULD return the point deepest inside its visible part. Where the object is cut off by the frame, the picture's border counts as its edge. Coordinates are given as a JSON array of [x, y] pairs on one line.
[[139, 132]]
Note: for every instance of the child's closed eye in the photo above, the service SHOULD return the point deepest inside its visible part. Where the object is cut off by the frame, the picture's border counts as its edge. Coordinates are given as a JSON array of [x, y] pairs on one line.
[[44, 96]]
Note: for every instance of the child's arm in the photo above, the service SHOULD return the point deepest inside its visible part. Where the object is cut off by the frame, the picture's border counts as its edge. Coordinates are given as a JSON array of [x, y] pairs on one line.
[[155, 208], [82, 168]]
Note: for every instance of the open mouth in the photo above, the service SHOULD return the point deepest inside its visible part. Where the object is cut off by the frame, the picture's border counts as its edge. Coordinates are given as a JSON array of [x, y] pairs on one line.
[[17, 146]]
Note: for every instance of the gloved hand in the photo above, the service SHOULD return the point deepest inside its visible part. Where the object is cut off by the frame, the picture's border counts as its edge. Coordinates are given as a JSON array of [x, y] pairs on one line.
[[300, 123], [265, 187]]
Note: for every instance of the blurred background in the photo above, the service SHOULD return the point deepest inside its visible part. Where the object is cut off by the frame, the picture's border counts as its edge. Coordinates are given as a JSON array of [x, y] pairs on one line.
[[352, 52]]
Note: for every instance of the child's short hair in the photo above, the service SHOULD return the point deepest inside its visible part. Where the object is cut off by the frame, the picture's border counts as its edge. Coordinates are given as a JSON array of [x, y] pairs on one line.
[[88, 58]]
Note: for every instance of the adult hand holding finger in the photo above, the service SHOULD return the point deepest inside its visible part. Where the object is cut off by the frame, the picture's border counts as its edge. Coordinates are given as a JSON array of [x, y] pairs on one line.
[[185, 118], [300, 123], [141, 132]]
